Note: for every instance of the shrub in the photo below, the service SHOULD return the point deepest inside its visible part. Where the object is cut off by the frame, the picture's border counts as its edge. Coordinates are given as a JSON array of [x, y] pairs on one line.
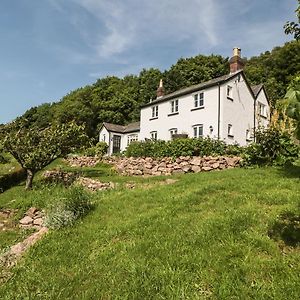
[[99, 150], [74, 204], [3, 159], [272, 147], [10, 179], [181, 147]]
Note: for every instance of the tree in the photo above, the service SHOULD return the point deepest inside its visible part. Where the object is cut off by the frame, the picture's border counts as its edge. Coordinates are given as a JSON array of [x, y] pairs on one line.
[[293, 27], [293, 109], [34, 149]]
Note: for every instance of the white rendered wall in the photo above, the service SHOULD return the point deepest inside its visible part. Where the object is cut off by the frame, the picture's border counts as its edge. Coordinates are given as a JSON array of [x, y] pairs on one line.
[[185, 119], [260, 120], [104, 137], [238, 112]]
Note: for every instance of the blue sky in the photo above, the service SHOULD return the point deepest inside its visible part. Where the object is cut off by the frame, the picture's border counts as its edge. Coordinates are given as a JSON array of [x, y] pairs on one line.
[[50, 47]]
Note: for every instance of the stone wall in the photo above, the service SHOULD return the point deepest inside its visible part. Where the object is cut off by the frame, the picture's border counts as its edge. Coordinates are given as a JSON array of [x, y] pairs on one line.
[[168, 166]]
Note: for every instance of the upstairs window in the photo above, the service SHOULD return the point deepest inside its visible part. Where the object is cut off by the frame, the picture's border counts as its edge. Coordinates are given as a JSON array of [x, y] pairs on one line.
[[155, 111], [174, 106], [153, 135], [198, 130], [132, 138], [230, 130], [173, 131], [262, 110], [199, 100], [229, 92]]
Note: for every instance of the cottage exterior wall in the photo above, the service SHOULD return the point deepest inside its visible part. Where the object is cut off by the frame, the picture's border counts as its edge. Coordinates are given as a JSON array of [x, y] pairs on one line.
[[237, 111], [186, 118]]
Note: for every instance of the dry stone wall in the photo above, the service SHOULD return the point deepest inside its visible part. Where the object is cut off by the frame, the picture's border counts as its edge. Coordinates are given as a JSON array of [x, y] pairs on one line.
[[167, 166]]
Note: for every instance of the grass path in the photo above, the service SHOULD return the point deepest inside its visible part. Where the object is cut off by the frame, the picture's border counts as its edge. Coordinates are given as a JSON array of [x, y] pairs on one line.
[[204, 237]]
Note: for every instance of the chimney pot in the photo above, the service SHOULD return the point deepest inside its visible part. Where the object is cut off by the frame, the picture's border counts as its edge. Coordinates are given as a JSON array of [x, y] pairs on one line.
[[160, 92]]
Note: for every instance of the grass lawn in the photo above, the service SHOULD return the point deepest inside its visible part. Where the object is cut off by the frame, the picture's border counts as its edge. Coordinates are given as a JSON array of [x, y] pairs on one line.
[[203, 237]]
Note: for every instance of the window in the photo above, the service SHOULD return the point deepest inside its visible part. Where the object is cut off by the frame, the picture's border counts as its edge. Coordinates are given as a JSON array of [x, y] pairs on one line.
[[248, 135], [262, 110], [174, 106], [230, 130], [132, 138], [229, 92], [153, 135], [103, 137], [199, 100], [173, 131], [155, 111], [198, 130]]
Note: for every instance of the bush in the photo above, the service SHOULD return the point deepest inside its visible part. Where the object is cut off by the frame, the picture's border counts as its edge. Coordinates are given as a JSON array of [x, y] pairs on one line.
[[99, 150], [3, 159], [272, 147], [74, 204], [10, 179], [181, 147]]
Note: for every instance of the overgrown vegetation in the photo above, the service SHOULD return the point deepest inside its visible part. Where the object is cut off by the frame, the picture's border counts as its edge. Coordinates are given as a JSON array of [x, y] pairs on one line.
[[100, 149], [181, 147], [272, 147], [72, 204]]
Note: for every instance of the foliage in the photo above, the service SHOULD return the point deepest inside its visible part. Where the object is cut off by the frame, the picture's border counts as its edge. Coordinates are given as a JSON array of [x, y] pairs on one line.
[[3, 159], [181, 147], [272, 147], [293, 108], [74, 203], [275, 69], [99, 150], [293, 27], [34, 148]]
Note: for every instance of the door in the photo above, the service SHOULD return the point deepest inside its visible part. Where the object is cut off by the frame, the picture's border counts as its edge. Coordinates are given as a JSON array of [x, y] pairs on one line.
[[116, 143]]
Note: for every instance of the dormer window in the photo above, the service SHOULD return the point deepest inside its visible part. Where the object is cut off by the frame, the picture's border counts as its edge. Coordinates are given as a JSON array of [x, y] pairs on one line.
[[155, 111], [199, 100], [174, 106], [229, 92]]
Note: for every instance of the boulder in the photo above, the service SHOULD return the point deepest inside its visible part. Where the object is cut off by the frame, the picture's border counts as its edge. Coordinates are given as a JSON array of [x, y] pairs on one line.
[[26, 221]]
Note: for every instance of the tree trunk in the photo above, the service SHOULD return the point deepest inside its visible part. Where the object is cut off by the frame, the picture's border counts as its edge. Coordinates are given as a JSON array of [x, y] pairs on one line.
[[29, 179]]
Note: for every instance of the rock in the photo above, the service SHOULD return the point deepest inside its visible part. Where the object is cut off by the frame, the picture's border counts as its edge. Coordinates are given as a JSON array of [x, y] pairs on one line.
[[31, 212], [207, 168], [196, 169], [215, 165], [38, 221], [26, 220], [186, 168], [196, 161], [178, 171]]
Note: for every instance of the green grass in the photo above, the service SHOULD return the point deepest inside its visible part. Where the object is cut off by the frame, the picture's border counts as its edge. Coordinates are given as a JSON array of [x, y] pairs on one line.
[[204, 237]]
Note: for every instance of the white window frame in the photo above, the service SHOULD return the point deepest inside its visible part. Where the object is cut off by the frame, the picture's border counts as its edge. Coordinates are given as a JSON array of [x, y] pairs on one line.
[[230, 130], [174, 106], [173, 131], [198, 131], [155, 111], [153, 135], [132, 138], [229, 91], [103, 137], [248, 135], [199, 100], [262, 109]]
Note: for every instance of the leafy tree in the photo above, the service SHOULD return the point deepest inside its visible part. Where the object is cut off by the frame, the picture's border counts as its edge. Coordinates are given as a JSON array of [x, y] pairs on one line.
[[293, 27], [293, 109], [194, 70], [34, 148]]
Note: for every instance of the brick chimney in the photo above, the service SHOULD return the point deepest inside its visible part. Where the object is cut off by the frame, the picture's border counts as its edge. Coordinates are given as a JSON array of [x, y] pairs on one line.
[[236, 62], [160, 92]]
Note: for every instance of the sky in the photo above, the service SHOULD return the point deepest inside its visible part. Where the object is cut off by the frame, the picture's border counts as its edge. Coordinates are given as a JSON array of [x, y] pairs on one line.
[[50, 47]]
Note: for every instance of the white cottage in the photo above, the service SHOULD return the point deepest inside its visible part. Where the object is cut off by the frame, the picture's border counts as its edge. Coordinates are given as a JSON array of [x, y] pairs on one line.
[[225, 108]]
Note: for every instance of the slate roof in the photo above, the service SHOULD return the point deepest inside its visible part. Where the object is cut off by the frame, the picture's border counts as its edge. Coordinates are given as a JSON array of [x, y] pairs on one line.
[[194, 88], [256, 89], [132, 127]]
